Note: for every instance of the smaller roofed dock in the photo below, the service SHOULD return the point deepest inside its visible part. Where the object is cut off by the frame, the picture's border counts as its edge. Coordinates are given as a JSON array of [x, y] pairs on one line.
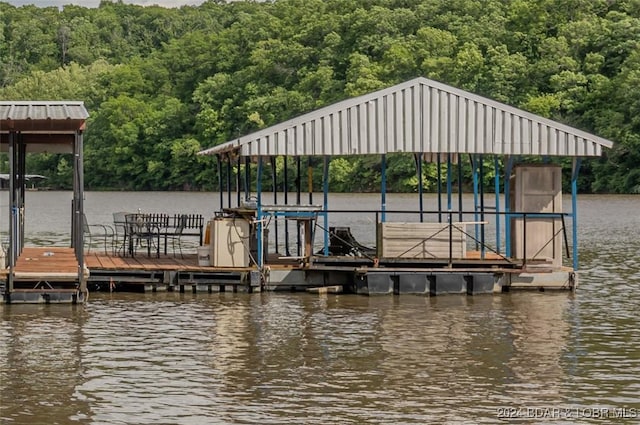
[[46, 274]]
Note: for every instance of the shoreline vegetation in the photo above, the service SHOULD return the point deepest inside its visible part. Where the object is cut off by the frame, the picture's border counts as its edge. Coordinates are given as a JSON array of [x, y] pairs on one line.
[[162, 84]]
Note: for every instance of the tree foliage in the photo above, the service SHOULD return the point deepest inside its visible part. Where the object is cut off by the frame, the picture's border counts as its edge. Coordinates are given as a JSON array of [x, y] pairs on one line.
[[162, 84]]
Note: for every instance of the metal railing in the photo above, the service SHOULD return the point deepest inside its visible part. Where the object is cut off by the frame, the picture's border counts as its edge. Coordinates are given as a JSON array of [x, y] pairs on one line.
[[509, 219]]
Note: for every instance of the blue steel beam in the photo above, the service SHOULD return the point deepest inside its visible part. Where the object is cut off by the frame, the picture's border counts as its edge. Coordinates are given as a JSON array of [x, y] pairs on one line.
[[574, 208], [449, 183], [460, 206], [439, 182], [482, 241], [325, 203], [418, 158], [259, 212], [274, 187], [286, 202], [496, 166], [474, 166]]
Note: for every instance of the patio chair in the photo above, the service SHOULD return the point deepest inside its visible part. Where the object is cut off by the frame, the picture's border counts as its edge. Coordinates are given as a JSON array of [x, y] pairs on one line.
[[120, 235], [176, 236], [93, 232], [141, 231]]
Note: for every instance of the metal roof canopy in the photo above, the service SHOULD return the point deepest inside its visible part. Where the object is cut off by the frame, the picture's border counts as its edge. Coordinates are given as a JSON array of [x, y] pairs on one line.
[[419, 116], [44, 126]]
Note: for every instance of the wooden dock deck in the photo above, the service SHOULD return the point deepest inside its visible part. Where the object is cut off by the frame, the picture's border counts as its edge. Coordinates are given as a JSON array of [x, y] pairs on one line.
[[45, 274], [46, 262], [165, 273], [100, 261], [51, 275]]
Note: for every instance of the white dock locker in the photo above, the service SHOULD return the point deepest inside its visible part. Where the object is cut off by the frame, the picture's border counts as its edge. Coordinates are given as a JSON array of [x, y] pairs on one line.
[[230, 242]]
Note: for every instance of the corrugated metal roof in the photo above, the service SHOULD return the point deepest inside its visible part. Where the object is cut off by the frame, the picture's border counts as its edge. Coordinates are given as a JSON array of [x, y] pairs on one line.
[[36, 116], [421, 116], [44, 126]]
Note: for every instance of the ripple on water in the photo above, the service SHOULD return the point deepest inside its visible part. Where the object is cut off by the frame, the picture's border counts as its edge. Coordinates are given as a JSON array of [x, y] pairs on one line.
[[297, 358]]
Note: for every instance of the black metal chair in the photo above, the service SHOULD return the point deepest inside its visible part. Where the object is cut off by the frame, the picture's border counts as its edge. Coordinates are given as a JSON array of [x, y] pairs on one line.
[[176, 236], [93, 232], [142, 231], [120, 240]]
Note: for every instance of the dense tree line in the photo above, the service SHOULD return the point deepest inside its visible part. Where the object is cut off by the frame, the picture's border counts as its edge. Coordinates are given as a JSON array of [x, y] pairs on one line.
[[162, 84]]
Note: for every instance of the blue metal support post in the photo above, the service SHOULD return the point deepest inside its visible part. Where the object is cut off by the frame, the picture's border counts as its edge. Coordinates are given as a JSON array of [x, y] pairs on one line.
[[449, 187], [274, 187], [259, 213], [420, 186], [483, 246], [460, 206], [574, 208], [229, 180], [474, 166], [325, 203], [449, 218], [285, 177], [439, 183], [298, 201], [496, 166]]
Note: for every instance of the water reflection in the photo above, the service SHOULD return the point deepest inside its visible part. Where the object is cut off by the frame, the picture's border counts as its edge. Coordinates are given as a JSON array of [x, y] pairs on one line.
[[40, 363], [538, 331], [141, 362], [292, 358], [298, 358]]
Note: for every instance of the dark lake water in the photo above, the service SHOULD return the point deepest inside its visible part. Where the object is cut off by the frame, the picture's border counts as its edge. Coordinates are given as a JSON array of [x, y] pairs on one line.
[[292, 358]]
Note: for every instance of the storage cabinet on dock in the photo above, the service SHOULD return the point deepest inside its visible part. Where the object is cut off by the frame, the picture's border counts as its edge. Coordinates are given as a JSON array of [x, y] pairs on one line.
[[229, 242]]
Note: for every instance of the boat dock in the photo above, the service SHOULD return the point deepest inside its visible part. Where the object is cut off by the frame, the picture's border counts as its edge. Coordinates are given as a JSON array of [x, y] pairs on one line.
[[517, 235]]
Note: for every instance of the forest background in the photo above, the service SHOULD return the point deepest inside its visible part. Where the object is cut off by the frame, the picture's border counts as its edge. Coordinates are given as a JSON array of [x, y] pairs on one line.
[[162, 84]]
